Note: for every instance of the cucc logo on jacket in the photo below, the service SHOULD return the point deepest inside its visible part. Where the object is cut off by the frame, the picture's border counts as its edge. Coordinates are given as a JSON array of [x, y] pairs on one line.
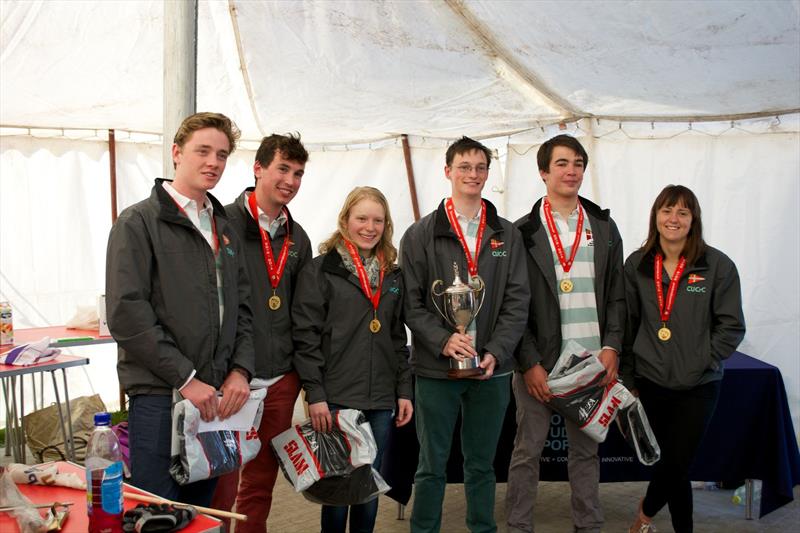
[[495, 244]]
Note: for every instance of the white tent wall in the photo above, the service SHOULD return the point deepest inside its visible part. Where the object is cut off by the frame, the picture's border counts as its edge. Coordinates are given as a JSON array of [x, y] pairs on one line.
[[55, 224], [747, 181]]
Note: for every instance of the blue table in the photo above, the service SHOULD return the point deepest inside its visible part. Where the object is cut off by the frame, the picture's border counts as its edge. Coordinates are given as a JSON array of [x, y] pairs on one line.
[[751, 436]]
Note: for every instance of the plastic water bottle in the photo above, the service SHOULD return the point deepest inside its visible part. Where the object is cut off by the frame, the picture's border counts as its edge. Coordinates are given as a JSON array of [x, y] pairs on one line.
[[104, 478], [739, 495]]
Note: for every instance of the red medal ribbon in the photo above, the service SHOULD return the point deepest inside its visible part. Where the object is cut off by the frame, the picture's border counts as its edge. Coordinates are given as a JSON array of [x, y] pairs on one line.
[[551, 227], [666, 310], [213, 226], [275, 272], [472, 262], [362, 275]]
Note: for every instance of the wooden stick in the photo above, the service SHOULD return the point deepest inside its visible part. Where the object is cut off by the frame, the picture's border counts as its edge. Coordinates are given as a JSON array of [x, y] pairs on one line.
[[35, 506], [205, 510]]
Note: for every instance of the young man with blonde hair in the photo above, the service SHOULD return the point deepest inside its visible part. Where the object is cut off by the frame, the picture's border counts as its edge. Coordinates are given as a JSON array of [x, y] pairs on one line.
[[178, 304]]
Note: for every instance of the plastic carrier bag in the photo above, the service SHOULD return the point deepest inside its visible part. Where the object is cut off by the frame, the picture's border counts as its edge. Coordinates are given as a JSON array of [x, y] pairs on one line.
[[332, 468], [204, 455], [634, 426], [578, 395]]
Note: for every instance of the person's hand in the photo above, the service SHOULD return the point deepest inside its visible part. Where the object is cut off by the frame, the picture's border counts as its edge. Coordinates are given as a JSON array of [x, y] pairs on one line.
[[235, 392], [459, 347], [635, 392], [488, 363], [404, 411], [202, 396], [320, 417], [611, 362], [536, 383]]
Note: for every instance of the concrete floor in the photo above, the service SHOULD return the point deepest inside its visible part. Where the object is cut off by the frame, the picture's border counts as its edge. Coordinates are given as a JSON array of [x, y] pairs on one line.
[[714, 512]]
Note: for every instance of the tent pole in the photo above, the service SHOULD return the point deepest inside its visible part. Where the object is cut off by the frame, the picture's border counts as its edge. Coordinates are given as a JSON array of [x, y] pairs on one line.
[[112, 172], [412, 187], [180, 71], [112, 164], [588, 126]]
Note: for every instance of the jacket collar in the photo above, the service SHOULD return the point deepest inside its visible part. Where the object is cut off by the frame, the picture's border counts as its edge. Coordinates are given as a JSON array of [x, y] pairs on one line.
[[251, 224], [332, 264], [534, 221], [648, 262], [168, 209], [442, 223], [538, 242]]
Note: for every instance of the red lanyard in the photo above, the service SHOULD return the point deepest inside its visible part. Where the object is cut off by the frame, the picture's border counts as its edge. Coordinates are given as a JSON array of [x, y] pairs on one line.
[[213, 226], [666, 310], [362, 276], [275, 271], [472, 262], [551, 226]]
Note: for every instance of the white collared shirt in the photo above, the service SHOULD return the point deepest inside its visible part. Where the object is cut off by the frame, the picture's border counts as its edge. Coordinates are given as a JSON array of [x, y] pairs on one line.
[[201, 218], [270, 226]]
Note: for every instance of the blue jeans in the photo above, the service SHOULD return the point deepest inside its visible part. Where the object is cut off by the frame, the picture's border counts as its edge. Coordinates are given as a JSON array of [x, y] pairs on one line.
[[150, 433], [362, 516]]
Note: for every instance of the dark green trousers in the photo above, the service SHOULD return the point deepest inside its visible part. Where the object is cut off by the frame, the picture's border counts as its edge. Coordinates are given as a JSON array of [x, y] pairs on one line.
[[482, 405]]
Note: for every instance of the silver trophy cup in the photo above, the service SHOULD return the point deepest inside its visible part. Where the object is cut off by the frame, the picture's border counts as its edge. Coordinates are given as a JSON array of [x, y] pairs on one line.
[[461, 303]]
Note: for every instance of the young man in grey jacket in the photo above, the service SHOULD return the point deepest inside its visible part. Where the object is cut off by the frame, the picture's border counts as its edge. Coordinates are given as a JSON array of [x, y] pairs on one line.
[[276, 248], [465, 229], [178, 303], [574, 257]]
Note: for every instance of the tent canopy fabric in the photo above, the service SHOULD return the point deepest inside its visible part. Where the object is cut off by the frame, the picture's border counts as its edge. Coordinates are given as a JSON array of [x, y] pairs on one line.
[[706, 94], [349, 71]]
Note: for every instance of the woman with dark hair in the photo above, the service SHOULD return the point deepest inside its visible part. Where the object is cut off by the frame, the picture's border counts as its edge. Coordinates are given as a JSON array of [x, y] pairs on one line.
[[350, 341], [684, 317]]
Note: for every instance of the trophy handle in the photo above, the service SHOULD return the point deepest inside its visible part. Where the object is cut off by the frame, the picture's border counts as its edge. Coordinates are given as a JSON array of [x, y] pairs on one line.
[[482, 290], [439, 295]]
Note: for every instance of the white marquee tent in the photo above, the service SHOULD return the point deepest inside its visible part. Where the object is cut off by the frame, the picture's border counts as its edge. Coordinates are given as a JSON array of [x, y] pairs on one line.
[[706, 94]]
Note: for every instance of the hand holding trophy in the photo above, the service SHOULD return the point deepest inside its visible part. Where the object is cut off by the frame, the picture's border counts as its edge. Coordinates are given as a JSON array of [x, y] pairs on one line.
[[461, 303]]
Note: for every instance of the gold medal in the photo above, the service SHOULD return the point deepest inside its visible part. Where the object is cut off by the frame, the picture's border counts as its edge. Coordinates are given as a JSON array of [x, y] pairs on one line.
[[566, 285], [664, 334], [274, 302], [374, 325]]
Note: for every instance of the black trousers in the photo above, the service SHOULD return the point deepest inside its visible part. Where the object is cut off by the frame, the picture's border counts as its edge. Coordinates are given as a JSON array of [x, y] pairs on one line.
[[679, 419]]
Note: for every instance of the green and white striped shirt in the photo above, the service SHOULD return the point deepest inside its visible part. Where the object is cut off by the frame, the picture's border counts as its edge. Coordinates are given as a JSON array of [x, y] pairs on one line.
[[578, 308]]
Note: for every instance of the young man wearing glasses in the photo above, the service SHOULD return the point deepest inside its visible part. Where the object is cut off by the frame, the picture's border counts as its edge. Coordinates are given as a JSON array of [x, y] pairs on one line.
[[465, 230]]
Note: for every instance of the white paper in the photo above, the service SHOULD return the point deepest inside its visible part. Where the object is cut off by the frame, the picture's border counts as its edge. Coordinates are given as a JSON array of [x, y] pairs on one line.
[[242, 420]]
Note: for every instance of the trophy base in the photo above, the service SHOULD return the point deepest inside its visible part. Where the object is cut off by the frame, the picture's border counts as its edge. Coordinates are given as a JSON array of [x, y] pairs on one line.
[[461, 373], [468, 368]]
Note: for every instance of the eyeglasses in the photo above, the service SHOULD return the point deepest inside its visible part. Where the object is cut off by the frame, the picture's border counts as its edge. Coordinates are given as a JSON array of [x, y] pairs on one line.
[[466, 169]]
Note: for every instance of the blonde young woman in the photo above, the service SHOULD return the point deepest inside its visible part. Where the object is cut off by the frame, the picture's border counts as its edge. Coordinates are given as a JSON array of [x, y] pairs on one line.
[[684, 317], [349, 338]]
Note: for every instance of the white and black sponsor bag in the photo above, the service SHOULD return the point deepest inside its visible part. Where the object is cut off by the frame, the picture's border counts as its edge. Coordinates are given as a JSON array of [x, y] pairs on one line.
[[198, 454], [578, 394], [306, 456]]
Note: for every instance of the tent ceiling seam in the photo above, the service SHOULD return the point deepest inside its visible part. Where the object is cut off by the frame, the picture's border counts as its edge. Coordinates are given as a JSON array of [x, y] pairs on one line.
[[243, 66], [494, 135], [692, 118], [494, 49]]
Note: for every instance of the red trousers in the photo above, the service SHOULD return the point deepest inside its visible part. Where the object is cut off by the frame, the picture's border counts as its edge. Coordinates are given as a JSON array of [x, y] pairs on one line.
[[254, 497]]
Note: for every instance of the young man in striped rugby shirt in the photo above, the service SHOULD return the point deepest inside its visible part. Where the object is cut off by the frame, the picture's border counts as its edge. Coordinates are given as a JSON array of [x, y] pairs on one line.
[[576, 296]]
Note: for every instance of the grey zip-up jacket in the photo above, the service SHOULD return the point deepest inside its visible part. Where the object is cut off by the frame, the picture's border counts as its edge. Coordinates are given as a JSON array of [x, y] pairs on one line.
[[162, 301], [707, 322], [338, 358], [542, 341], [428, 250], [272, 330]]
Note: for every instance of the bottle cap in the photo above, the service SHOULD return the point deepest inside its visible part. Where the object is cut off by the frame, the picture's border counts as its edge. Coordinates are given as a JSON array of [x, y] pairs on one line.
[[102, 419]]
